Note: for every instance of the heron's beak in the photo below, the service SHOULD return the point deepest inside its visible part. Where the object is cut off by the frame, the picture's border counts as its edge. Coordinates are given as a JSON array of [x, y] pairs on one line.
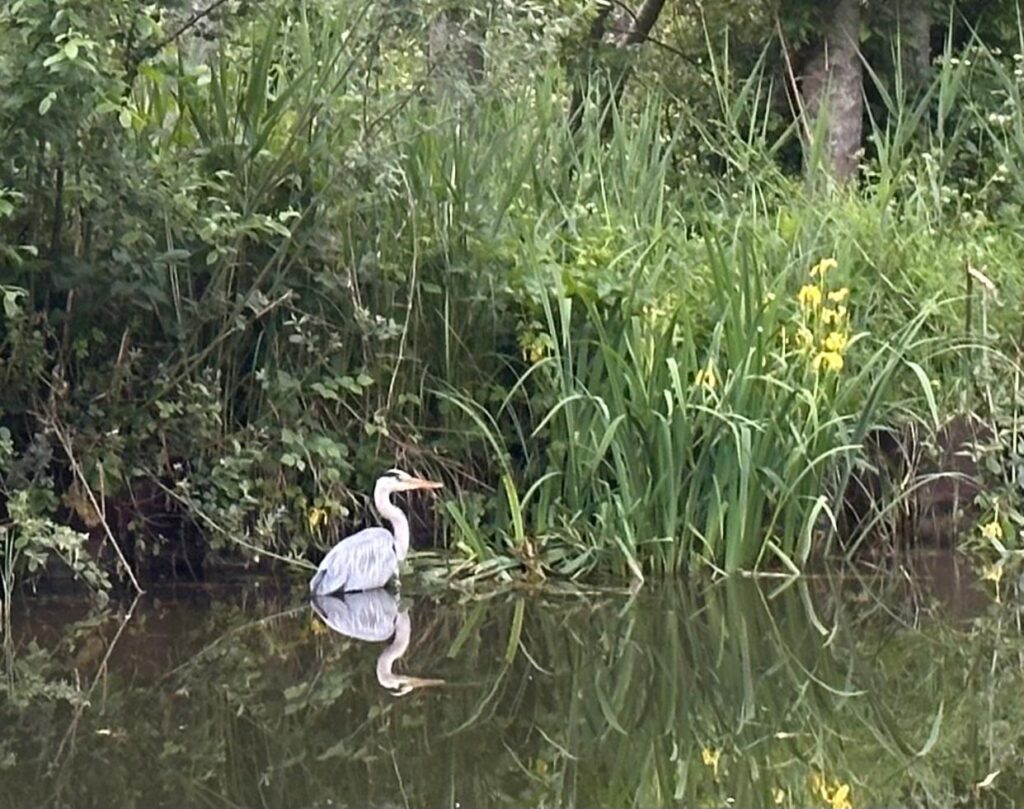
[[420, 483]]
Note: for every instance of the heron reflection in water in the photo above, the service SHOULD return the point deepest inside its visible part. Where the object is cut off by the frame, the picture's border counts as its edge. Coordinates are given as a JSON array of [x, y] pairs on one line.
[[374, 616], [370, 558]]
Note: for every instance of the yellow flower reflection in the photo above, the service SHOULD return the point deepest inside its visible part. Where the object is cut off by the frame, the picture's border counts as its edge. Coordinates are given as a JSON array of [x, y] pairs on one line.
[[317, 517], [992, 530], [836, 796], [710, 758]]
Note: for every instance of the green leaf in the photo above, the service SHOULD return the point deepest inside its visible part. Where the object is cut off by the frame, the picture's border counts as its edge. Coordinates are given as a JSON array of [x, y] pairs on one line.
[[516, 631], [933, 736], [926, 389], [46, 103], [11, 306], [323, 391]]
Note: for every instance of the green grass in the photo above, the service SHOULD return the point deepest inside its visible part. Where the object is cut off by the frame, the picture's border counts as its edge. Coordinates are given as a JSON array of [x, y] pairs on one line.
[[642, 279]]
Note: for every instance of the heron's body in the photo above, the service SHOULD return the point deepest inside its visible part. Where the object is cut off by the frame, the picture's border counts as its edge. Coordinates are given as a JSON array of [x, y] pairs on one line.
[[369, 559], [363, 561]]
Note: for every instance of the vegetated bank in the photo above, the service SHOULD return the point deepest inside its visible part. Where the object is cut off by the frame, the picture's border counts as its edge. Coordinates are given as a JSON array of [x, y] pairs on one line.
[[631, 317]]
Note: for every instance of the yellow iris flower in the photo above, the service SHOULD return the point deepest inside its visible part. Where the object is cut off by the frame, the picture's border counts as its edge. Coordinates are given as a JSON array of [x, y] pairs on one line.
[[832, 317], [809, 296], [835, 342], [836, 796], [824, 266], [829, 361], [706, 379]]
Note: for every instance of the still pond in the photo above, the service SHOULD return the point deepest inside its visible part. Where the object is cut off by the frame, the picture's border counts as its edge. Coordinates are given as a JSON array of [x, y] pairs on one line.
[[903, 689]]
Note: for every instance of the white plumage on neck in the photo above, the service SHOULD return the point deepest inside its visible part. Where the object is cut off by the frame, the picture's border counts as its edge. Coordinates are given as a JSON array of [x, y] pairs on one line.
[[393, 514]]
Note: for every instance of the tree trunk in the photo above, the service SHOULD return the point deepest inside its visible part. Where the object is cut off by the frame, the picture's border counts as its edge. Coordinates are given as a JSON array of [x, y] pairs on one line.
[[583, 66], [622, 29], [833, 86], [913, 20], [642, 23], [199, 24], [454, 50]]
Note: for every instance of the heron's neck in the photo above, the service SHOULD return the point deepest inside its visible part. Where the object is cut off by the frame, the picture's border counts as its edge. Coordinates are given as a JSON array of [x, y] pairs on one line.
[[399, 524], [386, 661]]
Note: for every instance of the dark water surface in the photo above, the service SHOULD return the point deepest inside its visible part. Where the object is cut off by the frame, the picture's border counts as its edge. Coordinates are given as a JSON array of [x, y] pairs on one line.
[[902, 690]]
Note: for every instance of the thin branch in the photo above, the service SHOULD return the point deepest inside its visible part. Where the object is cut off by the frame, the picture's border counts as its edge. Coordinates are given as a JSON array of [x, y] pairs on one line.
[[231, 537], [65, 442], [413, 269], [101, 671], [796, 104], [134, 58], [185, 26]]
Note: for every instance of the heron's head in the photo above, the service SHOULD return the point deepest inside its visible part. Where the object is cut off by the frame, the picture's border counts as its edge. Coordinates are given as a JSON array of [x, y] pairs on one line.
[[395, 480]]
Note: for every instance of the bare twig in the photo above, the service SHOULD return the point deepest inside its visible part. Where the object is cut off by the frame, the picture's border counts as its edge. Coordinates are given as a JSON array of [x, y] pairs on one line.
[[413, 267], [134, 57], [100, 672], [185, 26], [211, 523], [796, 104], [65, 442]]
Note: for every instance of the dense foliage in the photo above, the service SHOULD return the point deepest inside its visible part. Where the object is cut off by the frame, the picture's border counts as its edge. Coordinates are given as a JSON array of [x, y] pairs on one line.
[[250, 258]]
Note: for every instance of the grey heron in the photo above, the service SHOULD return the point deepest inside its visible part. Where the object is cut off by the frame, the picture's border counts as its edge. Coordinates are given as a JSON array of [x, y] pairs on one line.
[[374, 616], [370, 558]]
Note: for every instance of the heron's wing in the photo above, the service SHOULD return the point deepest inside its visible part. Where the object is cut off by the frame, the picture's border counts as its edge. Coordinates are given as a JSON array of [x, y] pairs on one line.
[[370, 615], [362, 561]]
